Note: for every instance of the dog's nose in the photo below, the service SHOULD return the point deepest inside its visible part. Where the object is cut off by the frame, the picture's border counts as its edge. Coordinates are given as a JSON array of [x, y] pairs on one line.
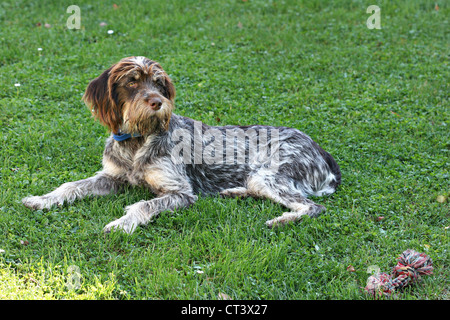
[[155, 103]]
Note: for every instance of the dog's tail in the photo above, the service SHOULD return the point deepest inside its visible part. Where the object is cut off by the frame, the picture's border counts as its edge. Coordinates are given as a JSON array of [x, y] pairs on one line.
[[331, 178], [334, 168]]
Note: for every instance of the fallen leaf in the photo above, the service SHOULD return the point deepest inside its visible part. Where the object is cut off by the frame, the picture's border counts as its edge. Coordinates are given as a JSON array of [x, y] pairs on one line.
[[380, 218], [373, 269], [32, 280], [223, 296], [350, 268], [441, 199]]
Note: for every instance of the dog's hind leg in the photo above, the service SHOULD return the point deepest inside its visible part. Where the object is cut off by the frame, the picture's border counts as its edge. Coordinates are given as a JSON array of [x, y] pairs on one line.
[[235, 192], [281, 190], [299, 209]]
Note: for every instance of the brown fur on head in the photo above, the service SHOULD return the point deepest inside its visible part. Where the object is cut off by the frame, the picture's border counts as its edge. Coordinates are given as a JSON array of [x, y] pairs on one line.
[[135, 95]]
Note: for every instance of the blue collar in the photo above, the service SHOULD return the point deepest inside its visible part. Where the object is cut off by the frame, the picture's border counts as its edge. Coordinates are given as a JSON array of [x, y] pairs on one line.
[[124, 136]]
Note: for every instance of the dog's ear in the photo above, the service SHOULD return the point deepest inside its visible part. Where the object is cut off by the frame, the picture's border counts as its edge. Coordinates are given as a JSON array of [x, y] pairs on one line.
[[99, 99], [169, 88]]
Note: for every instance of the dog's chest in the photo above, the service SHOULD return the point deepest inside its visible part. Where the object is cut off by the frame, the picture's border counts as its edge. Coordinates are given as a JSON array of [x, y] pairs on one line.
[[120, 159], [130, 160]]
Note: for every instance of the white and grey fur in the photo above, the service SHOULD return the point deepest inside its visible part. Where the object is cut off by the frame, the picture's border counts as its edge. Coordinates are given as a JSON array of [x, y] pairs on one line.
[[303, 168]]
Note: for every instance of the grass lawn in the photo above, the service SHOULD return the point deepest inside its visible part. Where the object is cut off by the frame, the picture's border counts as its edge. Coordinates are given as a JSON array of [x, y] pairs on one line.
[[376, 99]]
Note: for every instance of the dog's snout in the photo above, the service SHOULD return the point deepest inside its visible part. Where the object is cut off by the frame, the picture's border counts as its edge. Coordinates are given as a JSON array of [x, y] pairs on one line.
[[155, 103]]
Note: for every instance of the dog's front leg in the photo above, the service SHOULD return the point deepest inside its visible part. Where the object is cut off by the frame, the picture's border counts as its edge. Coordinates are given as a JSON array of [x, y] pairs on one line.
[[98, 185], [144, 211]]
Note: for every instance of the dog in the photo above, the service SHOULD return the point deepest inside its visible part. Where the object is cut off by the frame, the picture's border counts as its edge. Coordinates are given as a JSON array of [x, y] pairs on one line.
[[178, 158]]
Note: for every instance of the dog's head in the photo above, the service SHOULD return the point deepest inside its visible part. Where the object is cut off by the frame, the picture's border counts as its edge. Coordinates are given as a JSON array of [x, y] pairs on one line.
[[135, 95]]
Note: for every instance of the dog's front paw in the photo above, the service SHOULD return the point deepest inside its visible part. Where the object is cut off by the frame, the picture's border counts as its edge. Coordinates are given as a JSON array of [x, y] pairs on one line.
[[126, 224], [37, 202]]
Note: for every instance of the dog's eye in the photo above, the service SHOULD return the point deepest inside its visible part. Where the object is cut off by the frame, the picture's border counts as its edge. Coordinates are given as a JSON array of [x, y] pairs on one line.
[[132, 84], [160, 82]]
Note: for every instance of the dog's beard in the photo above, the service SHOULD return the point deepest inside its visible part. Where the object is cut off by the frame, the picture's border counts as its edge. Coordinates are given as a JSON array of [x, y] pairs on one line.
[[140, 119]]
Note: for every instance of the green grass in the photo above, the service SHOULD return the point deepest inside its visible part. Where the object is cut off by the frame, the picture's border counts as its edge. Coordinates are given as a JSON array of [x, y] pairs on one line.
[[375, 99]]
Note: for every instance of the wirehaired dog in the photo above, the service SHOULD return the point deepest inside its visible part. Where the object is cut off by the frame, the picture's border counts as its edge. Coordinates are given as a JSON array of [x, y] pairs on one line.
[[177, 157]]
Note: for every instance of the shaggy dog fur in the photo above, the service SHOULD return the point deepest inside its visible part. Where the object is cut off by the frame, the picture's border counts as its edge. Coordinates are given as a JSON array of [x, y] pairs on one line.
[[177, 157]]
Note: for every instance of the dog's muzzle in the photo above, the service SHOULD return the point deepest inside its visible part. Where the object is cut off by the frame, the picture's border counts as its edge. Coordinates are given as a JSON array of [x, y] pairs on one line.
[[154, 103]]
